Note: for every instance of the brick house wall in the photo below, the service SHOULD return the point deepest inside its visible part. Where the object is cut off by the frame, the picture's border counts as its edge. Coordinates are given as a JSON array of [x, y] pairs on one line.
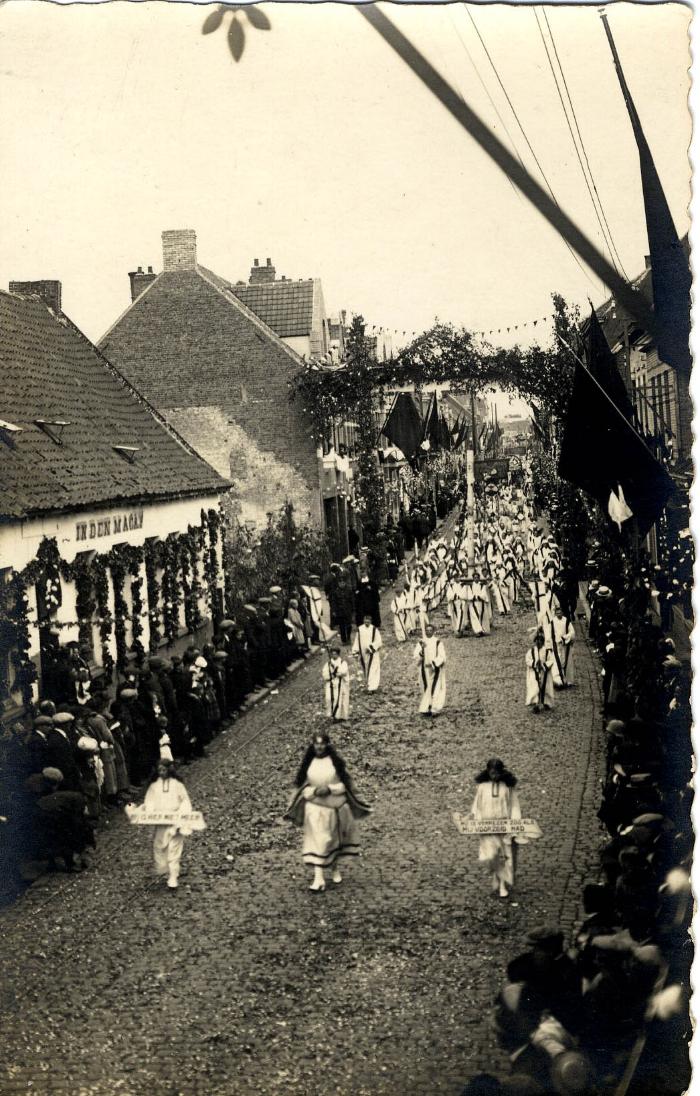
[[217, 373]]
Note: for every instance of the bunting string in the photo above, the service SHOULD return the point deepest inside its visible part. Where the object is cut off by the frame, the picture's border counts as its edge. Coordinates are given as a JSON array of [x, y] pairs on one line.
[[376, 329]]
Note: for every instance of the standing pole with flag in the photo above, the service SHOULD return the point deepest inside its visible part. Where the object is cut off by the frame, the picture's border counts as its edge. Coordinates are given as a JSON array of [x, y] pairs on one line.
[[471, 513], [670, 270]]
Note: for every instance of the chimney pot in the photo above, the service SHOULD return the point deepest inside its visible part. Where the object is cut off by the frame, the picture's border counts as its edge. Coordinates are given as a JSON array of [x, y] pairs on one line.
[[179, 249], [138, 281], [261, 275], [49, 291]]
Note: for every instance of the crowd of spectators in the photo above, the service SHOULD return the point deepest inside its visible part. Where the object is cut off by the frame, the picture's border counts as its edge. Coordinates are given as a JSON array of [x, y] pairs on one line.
[[610, 1013], [86, 748]]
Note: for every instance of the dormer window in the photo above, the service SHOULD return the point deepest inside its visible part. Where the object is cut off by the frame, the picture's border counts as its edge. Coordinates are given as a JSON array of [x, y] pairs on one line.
[[53, 428], [127, 452], [9, 433]]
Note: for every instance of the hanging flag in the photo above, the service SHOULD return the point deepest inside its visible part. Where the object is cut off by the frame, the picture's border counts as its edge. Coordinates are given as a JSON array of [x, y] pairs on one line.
[[603, 454], [404, 426], [444, 432], [670, 268], [601, 363], [618, 509], [431, 424]]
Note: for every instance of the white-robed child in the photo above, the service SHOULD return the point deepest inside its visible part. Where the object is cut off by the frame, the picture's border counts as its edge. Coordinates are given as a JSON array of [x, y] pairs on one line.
[[336, 679], [430, 655], [497, 798], [325, 804], [539, 681], [399, 611], [562, 637], [167, 795], [366, 647]]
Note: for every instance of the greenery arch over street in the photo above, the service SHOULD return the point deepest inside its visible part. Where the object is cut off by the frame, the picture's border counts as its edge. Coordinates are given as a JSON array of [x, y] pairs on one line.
[[443, 353]]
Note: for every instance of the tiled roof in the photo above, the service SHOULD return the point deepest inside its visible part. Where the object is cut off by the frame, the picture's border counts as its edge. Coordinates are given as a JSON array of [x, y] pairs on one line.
[[285, 306], [50, 371]]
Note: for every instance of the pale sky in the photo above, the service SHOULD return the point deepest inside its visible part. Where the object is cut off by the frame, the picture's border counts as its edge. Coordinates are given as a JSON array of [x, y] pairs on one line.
[[324, 152]]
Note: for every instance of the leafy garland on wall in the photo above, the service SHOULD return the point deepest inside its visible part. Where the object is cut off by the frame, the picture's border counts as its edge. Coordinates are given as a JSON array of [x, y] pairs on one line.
[[179, 554]]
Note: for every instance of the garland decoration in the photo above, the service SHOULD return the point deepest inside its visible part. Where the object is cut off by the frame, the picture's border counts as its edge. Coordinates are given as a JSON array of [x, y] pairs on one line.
[[153, 594]]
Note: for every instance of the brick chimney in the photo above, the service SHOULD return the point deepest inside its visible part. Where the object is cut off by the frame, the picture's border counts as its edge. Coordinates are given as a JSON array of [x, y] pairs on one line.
[[138, 281], [49, 291], [179, 249], [260, 274]]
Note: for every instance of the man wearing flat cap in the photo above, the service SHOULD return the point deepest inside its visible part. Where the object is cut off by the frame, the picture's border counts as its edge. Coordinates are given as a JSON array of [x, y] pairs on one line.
[[60, 750]]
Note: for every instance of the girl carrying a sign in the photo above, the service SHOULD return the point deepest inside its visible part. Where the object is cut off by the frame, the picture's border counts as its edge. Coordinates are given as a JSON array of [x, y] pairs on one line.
[[497, 798], [167, 795]]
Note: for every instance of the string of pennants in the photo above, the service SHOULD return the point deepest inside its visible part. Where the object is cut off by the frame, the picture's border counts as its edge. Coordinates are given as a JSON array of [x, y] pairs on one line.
[[493, 331]]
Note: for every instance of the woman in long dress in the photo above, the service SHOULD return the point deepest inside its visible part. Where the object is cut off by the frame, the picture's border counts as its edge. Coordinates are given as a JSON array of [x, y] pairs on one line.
[[325, 804], [336, 678], [496, 797]]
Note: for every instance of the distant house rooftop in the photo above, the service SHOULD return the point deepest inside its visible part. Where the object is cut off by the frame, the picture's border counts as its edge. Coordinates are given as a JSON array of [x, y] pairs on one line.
[[284, 305]]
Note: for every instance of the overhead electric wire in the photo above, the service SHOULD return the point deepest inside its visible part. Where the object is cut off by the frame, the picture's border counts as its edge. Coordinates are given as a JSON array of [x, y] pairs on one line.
[[573, 141], [491, 101], [583, 147], [527, 139]]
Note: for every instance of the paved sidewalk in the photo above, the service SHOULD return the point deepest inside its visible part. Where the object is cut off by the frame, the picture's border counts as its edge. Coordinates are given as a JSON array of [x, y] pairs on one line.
[[245, 983]]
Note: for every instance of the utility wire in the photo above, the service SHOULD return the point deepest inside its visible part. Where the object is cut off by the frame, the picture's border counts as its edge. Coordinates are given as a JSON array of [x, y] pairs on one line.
[[583, 147], [527, 140], [573, 139], [490, 99]]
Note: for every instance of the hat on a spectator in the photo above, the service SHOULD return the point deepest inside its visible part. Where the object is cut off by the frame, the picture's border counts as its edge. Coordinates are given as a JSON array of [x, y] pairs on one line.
[[201, 662], [128, 693], [264, 601], [157, 663], [227, 623], [275, 589], [571, 1074], [545, 935], [604, 592], [220, 656], [43, 721], [63, 717], [350, 559], [250, 609], [315, 576], [52, 774]]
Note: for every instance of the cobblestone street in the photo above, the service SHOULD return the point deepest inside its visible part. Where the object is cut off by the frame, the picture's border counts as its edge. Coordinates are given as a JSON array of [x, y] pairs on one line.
[[243, 982]]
